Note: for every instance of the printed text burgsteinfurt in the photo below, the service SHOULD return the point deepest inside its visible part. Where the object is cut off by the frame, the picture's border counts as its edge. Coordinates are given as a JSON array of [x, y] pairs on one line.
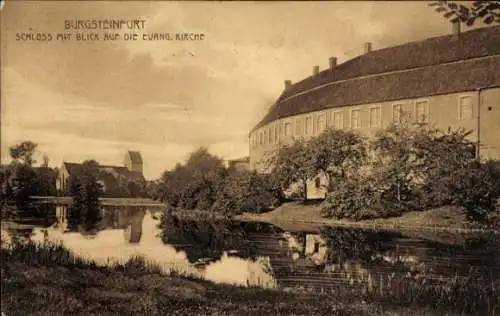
[[104, 24], [93, 30]]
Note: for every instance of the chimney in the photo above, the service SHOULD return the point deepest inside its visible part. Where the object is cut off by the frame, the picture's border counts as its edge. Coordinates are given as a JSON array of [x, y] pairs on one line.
[[333, 62], [368, 47], [455, 28], [315, 70], [288, 84]]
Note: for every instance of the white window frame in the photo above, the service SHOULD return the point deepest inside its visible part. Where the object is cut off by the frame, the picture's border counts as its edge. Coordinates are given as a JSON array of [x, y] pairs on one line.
[[379, 116], [316, 126], [299, 126], [285, 124], [310, 130], [401, 111], [329, 118], [426, 110], [334, 123], [459, 107], [276, 133], [359, 118]]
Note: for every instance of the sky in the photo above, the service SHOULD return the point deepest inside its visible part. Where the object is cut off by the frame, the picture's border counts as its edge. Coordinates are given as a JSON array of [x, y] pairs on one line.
[[83, 100]]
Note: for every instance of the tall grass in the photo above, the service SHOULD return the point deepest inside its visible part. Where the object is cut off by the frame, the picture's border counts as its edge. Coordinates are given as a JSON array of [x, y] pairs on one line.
[[476, 294], [51, 254]]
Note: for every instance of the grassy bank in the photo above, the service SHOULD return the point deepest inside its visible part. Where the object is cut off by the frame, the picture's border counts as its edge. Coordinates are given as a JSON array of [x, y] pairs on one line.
[[50, 280], [445, 219]]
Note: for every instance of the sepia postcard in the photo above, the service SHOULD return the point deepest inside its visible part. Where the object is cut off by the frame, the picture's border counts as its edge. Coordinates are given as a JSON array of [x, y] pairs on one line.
[[250, 158]]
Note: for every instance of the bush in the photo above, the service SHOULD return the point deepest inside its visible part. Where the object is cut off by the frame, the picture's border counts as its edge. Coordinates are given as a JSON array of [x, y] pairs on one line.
[[477, 190], [362, 197], [194, 185], [246, 191], [417, 168]]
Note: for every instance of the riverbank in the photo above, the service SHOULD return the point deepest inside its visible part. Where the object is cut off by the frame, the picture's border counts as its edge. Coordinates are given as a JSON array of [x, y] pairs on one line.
[[48, 279], [41, 280], [444, 219]]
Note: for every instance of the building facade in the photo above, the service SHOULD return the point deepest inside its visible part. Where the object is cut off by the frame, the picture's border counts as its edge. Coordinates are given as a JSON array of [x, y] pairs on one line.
[[110, 176], [449, 82]]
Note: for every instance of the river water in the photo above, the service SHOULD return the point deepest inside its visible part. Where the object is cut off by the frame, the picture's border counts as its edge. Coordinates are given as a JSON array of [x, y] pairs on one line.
[[309, 258]]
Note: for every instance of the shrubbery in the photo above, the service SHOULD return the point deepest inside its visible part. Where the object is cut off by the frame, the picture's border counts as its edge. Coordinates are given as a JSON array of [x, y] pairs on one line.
[[246, 191], [403, 168], [417, 168], [476, 188], [204, 183]]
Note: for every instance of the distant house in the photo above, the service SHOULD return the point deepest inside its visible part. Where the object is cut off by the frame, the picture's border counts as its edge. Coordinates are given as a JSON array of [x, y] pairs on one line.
[[112, 178], [240, 163]]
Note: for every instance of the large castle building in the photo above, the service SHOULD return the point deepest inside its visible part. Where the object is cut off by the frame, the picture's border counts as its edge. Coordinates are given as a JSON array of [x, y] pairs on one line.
[[449, 82]]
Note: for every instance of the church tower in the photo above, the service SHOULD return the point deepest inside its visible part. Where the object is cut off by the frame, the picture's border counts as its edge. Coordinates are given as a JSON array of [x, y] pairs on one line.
[[133, 161]]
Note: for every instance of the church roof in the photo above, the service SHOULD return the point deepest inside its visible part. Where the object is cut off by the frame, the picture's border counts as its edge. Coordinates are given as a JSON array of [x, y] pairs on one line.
[[76, 168], [440, 65]]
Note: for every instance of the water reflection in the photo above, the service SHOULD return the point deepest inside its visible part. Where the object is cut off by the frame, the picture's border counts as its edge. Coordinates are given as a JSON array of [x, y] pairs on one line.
[[127, 232], [318, 259]]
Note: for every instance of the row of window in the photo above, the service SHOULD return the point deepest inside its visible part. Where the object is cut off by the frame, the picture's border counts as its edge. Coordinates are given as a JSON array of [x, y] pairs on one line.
[[304, 125]]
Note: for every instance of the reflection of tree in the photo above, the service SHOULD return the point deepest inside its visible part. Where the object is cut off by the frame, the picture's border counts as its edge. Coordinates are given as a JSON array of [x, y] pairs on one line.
[[199, 238], [210, 238], [84, 211], [476, 256], [354, 244]]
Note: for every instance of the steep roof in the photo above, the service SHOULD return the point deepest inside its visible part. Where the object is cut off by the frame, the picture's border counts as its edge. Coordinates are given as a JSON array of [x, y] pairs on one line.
[[135, 157], [76, 168], [445, 64]]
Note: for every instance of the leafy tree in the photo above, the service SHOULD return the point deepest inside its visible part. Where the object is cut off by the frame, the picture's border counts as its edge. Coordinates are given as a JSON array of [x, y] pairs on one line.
[[6, 191], [22, 182], [443, 155], [172, 185], [46, 181], [487, 11], [135, 188], [413, 167], [246, 191], [84, 212], [335, 153], [293, 164], [153, 190], [476, 188], [351, 198], [399, 161], [195, 184], [24, 152]]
